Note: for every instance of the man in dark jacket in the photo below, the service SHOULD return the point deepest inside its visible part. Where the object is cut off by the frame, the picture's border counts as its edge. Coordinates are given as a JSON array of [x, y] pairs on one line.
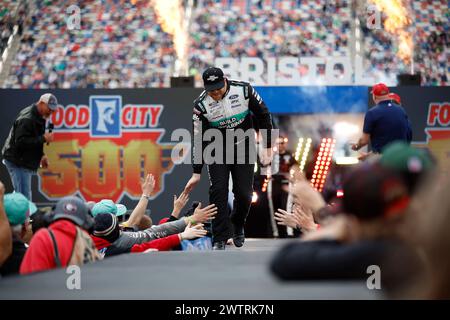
[[284, 161], [23, 151]]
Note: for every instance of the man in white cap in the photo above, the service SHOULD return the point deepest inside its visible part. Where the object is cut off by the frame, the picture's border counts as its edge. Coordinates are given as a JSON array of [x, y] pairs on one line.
[[23, 151]]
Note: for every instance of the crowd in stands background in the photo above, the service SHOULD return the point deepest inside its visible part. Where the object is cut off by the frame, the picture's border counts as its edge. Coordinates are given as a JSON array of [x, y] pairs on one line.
[[121, 45]]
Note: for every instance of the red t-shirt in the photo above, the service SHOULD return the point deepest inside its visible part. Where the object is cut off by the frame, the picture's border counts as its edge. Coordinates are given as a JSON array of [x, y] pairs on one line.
[[162, 244], [40, 255]]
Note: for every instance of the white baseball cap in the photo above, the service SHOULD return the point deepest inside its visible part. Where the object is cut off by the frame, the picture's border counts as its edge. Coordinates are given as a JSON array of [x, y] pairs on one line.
[[50, 100]]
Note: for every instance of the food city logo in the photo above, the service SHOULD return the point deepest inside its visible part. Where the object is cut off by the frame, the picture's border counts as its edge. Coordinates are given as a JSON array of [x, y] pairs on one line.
[[101, 150], [438, 131]]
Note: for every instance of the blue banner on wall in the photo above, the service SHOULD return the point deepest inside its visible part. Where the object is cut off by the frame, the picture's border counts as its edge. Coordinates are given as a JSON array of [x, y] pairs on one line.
[[315, 99]]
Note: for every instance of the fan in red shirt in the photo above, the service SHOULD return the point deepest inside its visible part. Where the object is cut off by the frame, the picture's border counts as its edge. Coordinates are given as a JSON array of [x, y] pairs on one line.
[[65, 242]]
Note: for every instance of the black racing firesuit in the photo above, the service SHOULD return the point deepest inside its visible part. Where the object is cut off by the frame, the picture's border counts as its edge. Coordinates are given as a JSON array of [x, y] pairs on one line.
[[236, 110]]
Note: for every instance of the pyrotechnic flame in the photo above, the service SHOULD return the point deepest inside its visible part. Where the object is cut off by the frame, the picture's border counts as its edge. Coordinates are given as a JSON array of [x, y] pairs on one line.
[[397, 23], [170, 15], [405, 46]]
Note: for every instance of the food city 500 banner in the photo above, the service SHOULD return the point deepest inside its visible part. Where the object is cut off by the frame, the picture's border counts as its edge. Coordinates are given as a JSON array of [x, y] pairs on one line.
[[429, 111], [106, 140]]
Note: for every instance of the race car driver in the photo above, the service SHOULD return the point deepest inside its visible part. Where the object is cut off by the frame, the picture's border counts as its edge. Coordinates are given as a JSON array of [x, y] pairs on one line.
[[228, 105]]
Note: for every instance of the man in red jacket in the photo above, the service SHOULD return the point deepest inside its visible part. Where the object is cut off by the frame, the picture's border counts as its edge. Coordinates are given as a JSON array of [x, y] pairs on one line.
[[65, 242]]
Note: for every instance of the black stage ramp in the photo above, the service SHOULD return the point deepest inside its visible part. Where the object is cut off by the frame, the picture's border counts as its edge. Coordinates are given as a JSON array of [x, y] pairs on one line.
[[232, 274]]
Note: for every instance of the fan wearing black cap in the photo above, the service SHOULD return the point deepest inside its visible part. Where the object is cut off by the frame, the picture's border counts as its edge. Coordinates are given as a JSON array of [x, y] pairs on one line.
[[23, 152], [65, 242], [228, 105]]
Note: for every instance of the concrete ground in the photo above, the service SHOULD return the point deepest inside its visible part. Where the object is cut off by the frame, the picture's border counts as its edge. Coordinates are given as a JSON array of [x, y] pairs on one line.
[[233, 274]]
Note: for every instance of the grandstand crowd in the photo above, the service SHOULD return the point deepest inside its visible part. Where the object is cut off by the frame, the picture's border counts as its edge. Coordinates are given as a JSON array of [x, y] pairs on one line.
[[121, 45]]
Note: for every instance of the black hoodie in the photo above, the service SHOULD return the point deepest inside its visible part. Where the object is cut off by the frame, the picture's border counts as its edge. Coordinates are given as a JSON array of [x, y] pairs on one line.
[[25, 143]]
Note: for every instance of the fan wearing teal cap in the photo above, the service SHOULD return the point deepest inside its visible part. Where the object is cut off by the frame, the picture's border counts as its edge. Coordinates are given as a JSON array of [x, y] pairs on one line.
[[18, 210], [108, 206]]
